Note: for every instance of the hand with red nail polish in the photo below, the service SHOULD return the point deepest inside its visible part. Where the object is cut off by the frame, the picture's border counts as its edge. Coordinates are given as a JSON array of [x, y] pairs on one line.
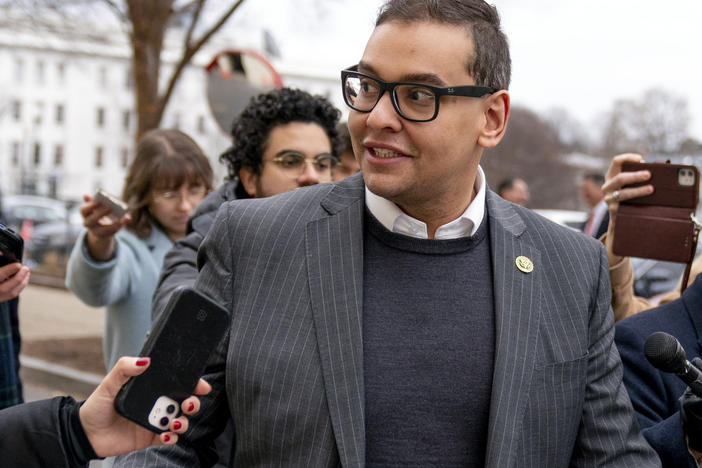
[[111, 434]]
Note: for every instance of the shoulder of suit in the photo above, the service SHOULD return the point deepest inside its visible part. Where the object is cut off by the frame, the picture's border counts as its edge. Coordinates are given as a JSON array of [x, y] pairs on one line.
[[302, 196], [538, 224]]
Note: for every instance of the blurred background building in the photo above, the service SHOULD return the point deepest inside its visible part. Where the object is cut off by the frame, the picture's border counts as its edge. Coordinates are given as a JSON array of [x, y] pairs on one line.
[[67, 119]]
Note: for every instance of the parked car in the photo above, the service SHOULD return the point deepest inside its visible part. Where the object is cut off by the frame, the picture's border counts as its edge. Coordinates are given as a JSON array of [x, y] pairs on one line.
[[47, 226], [655, 277], [17, 209], [55, 237]]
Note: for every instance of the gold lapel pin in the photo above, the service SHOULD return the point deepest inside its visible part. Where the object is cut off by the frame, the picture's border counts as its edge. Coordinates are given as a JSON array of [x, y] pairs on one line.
[[524, 264]]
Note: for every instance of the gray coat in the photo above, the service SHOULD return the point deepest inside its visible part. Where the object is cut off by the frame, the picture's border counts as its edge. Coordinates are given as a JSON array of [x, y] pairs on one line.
[[290, 371], [180, 263]]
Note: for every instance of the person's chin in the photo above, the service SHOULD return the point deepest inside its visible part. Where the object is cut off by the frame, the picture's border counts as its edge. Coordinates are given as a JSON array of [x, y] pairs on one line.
[[384, 185]]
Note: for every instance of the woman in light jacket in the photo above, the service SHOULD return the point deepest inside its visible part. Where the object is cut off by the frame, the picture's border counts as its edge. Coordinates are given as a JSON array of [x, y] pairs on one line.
[[116, 261]]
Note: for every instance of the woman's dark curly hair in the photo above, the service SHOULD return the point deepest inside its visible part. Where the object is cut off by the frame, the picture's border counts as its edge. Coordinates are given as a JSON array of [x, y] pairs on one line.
[[266, 111]]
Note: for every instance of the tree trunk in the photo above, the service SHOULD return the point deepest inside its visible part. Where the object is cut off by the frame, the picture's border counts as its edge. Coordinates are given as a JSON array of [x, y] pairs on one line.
[[149, 21]]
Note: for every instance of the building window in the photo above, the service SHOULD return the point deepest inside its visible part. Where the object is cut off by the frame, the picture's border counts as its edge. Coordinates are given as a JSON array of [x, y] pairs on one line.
[[125, 157], [17, 110], [58, 155], [126, 118], [38, 113], [201, 124], [60, 114], [100, 117], [61, 72], [98, 156], [102, 77], [41, 72], [37, 154], [19, 70], [16, 153]]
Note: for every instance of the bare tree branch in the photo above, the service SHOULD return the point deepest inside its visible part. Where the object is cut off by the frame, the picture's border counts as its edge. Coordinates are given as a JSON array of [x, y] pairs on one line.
[[121, 14], [185, 7], [193, 23], [189, 52]]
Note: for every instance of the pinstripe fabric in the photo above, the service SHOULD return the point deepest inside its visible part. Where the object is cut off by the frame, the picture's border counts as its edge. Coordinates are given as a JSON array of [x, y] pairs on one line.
[[290, 269]]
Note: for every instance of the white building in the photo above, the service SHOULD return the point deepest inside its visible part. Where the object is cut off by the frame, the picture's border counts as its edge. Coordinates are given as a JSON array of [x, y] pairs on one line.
[[67, 119]]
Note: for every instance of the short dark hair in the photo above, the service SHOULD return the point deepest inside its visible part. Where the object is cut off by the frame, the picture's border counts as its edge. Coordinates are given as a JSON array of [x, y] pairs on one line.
[[491, 65], [595, 177], [506, 184], [165, 159], [266, 111]]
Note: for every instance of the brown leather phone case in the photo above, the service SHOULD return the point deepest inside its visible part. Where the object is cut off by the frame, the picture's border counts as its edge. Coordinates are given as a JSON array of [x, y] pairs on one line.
[[659, 226]]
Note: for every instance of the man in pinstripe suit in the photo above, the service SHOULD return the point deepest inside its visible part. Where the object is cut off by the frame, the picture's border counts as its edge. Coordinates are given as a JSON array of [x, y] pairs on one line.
[[410, 316]]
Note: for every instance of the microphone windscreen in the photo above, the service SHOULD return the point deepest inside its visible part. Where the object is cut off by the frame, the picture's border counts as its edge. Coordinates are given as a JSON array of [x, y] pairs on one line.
[[664, 352]]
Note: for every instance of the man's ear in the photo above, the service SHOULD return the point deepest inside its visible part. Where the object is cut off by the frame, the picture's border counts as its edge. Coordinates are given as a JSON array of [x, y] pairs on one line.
[[249, 179], [496, 116]]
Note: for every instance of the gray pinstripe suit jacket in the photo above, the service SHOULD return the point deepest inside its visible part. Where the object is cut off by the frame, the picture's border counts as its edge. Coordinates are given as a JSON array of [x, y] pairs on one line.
[[290, 269]]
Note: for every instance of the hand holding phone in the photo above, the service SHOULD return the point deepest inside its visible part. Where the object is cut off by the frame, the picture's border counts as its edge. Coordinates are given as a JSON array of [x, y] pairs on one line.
[[117, 207], [659, 225], [179, 346]]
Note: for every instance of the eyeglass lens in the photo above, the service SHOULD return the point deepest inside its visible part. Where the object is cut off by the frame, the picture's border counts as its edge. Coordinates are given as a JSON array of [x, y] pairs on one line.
[[413, 101], [194, 192], [295, 163]]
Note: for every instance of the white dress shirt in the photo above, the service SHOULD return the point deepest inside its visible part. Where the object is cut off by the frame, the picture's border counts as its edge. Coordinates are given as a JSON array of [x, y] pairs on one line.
[[396, 220]]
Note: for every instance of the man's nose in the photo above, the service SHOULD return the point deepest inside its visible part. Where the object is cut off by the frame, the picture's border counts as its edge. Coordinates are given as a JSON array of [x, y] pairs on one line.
[[310, 176], [384, 115]]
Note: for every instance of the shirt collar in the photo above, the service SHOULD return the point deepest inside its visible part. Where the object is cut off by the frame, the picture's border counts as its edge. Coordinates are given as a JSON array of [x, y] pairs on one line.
[[395, 220]]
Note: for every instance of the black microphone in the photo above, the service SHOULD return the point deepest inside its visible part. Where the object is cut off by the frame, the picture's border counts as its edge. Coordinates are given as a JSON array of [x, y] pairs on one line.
[[665, 353]]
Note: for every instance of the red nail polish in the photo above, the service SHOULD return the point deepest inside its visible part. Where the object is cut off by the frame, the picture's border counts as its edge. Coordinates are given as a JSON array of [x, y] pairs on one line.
[[166, 438], [141, 362], [191, 406], [177, 425]]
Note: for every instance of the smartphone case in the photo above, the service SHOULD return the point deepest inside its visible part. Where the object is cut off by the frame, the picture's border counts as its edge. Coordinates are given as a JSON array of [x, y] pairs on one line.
[[11, 246], [179, 346], [659, 226]]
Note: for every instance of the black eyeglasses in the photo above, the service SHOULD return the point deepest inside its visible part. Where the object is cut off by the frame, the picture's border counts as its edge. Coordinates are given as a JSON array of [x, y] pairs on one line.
[[416, 102]]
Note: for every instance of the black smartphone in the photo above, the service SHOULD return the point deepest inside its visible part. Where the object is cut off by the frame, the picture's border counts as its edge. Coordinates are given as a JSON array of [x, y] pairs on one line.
[[11, 246], [179, 346]]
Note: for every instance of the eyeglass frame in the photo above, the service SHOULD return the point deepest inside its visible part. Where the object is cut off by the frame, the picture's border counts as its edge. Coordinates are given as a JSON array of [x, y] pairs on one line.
[[465, 91], [277, 159], [178, 196]]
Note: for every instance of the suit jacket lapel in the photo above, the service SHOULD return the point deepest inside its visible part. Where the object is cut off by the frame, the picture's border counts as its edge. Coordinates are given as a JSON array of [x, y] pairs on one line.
[[334, 247], [517, 316]]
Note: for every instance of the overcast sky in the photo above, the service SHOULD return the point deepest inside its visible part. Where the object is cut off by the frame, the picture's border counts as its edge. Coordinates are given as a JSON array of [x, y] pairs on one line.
[[576, 55]]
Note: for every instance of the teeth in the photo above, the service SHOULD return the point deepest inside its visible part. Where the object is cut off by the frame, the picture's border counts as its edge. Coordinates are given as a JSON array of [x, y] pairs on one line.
[[385, 153]]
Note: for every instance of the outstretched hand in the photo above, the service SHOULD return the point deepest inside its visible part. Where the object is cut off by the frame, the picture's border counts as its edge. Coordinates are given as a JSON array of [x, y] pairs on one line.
[[102, 227], [110, 433]]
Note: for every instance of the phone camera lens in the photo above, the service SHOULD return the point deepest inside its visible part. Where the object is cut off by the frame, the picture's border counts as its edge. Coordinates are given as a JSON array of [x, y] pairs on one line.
[[164, 421], [170, 409]]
